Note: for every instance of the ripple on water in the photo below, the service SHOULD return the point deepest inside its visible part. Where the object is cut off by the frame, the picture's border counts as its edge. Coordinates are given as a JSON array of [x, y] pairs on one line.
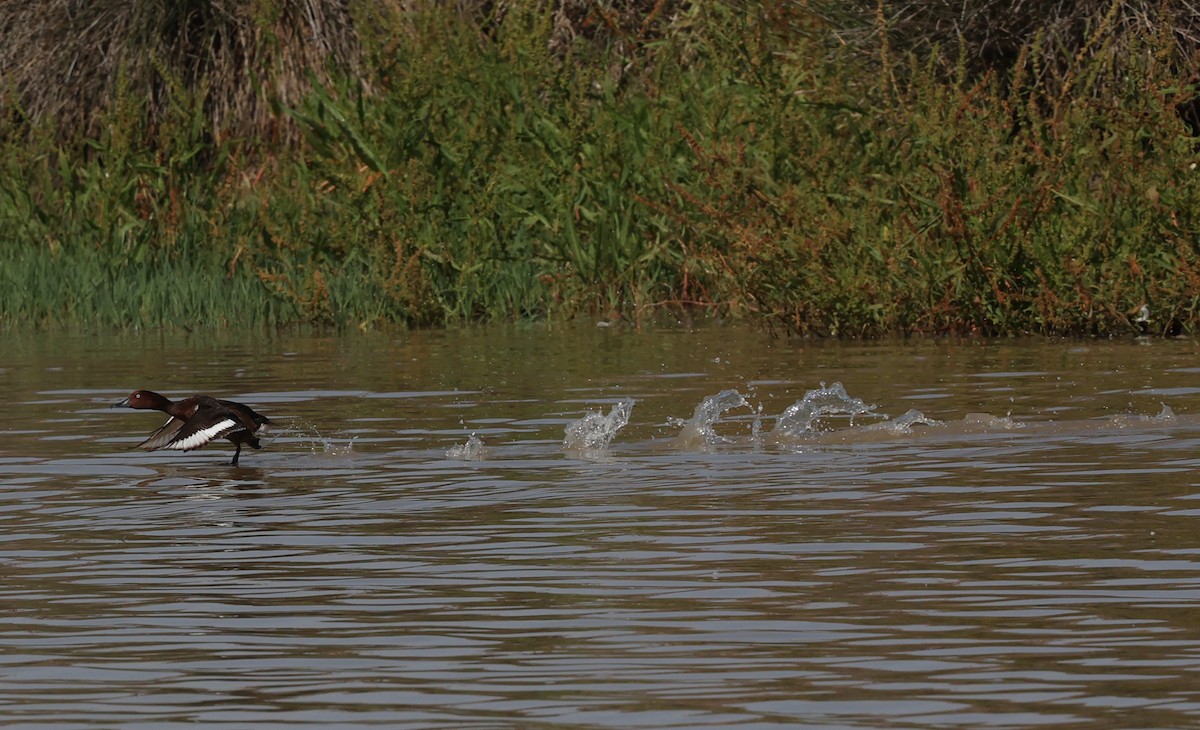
[[419, 551]]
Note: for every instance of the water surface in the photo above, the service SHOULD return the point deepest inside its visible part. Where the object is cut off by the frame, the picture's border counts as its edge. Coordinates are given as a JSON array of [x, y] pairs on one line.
[[1023, 554]]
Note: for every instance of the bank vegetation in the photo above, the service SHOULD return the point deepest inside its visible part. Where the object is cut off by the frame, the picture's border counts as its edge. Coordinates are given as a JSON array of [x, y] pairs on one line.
[[821, 168]]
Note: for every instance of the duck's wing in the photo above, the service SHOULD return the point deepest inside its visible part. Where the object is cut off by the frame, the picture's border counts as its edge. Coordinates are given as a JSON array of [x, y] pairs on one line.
[[163, 435], [251, 419], [192, 435]]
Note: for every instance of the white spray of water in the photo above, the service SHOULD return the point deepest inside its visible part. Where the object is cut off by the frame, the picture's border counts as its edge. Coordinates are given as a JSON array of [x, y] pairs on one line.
[[311, 436], [698, 430], [798, 418], [336, 447], [904, 424], [984, 422], [472, 450], [595, 431], [1165, 416]]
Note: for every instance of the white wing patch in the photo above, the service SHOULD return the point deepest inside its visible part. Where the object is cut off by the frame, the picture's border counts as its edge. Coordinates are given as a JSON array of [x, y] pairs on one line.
[[163, 435], [198, 439]]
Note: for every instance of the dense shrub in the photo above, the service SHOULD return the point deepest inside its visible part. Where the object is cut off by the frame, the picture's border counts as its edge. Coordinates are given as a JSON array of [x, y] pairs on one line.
[[840, 174]]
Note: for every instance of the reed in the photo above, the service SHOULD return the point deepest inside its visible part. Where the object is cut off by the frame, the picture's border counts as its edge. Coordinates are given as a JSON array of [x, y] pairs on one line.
[[515, 164], [969, 204]]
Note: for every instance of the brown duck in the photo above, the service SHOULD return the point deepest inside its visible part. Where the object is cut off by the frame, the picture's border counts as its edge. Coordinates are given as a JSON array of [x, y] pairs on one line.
[[198, 419]]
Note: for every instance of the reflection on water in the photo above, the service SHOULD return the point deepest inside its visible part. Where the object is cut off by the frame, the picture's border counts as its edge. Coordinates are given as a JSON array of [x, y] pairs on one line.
[[966, 535]]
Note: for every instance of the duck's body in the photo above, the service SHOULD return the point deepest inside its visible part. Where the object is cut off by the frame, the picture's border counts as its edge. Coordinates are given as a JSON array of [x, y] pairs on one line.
[[198, 419]]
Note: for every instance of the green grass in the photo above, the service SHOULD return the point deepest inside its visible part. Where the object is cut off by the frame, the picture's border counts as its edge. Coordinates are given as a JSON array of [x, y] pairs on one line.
[[726, 166]]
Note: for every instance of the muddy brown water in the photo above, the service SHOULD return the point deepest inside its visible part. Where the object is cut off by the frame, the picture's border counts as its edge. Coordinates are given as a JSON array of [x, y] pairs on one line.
[[1027, 555]]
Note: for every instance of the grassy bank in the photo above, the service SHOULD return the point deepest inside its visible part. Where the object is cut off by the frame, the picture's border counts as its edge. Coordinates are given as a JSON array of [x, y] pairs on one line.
[[730, 159]]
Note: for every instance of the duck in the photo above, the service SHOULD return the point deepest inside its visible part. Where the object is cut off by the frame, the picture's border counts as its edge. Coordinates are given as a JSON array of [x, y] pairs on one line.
[[198, 419]]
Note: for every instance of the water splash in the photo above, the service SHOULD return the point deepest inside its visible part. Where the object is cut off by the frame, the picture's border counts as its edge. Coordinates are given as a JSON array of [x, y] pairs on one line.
[[595, 431], [1165, 417], [308, 434], [335, 447], [798, 419], [904, 424], [269, 434], [756, 426], [472, 450], [983, 422], [698, 430]]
